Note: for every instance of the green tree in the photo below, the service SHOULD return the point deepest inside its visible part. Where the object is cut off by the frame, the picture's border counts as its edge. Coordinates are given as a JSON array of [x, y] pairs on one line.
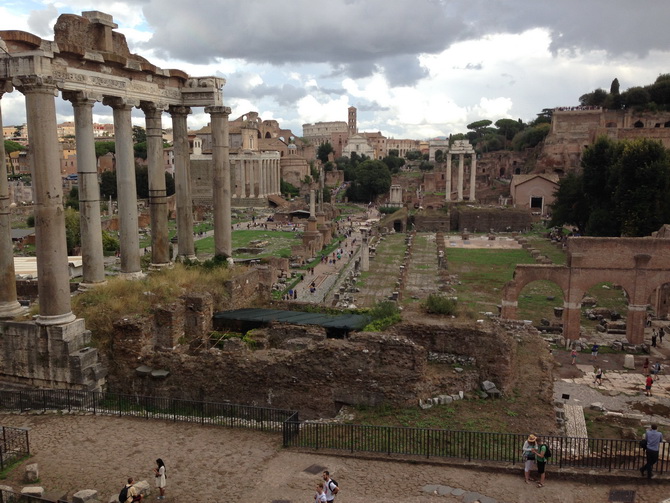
[[72, 231], [108, 184], [139, 134], [635, 97], [531, 136], [477, 129], [72, 200], [413, 155], [103, 147], [323, 151], [12, 146], [394, 163], [594, 99], [140, 150], [569, 203], [614, 86], [288, 190], [372, 178], [509, 127]]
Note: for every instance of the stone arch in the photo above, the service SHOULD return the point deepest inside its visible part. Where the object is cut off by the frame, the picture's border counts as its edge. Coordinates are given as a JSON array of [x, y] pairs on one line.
[[268, 135], [611, 124], [638, 124]]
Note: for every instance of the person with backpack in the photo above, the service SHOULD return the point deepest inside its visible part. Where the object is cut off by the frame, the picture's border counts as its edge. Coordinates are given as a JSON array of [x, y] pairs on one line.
[[130, 493], [653, 439], [542, 453], [330, 487]]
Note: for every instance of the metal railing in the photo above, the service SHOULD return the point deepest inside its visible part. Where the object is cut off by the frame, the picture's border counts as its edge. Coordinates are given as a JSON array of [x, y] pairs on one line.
[[14, 445], [148, 407], [608, 454]]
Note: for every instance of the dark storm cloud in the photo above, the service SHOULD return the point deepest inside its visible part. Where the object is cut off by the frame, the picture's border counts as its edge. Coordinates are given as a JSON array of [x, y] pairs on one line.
[[359, 37]]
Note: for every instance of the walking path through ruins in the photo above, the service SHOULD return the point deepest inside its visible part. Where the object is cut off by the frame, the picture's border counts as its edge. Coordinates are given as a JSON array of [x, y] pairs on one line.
[[220, 465]]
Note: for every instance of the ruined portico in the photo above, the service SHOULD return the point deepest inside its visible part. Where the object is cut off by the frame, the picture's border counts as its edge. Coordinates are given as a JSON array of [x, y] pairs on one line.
[[89, 62], [638, 265], [461, 148]]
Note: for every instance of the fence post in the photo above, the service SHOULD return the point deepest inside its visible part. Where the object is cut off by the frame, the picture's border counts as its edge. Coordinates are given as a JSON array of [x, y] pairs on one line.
[[317, 436], [351, 437], [4, 448], [428, 432], [27, 441], [388, 440]]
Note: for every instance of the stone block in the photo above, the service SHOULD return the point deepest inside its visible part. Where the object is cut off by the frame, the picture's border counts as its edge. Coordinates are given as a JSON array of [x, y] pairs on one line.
[[629, 362], [7, 494], [143, 487], [597, 406], [444, 490], [32, 473], [85, 496], [487, 385], [33, 491]]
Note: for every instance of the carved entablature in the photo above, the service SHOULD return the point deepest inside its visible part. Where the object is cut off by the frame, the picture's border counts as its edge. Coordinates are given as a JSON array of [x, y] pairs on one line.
[[88, 56], [461, 147]]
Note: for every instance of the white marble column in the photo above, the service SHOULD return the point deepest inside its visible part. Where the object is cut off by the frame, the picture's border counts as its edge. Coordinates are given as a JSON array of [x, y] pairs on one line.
[[186, 245], [221, 190], [160, 247], [126, 187], [53, 275], [93, 260], [461, 162], [262, 185], [9, 305], [473, 176], [448, 179]]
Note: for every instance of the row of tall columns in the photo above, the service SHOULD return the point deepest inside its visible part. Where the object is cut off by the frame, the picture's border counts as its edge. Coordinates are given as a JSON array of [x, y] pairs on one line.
[[9, 305], [52, 260], [461, 176], [256, 177]]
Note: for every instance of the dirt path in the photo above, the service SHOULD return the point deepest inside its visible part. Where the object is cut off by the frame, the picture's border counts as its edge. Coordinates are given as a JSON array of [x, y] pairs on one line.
[[210, 464]]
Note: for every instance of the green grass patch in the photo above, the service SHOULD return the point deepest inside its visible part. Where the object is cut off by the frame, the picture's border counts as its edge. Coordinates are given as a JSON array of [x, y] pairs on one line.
[[278, 243]]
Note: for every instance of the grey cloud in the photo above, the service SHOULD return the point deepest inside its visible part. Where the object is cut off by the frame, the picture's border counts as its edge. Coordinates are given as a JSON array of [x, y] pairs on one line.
[[403, 70], [40, 21], [371, 107]]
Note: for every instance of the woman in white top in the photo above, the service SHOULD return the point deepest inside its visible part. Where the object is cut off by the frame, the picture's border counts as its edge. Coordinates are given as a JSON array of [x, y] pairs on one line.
[[529, 456], [159, 471]]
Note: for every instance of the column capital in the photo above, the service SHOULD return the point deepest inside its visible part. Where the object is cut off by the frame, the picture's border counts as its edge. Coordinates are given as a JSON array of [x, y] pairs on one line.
[[218, 110], [36, 84], [5, 87], [152, 107], [120, 103], [179, 110], [81, 98]]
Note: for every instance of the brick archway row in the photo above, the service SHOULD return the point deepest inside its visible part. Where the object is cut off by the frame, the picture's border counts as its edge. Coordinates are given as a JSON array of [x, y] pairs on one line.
[[640, 266]]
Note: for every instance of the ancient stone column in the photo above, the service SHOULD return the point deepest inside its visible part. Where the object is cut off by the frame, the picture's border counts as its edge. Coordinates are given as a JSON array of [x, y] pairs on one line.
[[186, 245], [461, 161], [9, 305], [448, 179], [572, 313], [312, 205], [473, 175], [223, 243], [242, 179], [262, 184], [93, 260], [278, 176], [636, 319], [160, 247], [365, 252], [53, 277], [126, 187]]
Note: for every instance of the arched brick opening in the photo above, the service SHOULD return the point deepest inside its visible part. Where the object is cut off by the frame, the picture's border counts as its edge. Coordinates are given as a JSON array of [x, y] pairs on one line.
[[640, 265]]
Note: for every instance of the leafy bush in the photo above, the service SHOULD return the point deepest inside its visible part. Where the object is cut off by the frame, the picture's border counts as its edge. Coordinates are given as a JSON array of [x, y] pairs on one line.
[[441, 304], [383, 314]]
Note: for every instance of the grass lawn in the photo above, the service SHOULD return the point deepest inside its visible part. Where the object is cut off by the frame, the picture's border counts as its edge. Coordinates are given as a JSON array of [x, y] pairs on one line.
[[278, 243], [483, 274]]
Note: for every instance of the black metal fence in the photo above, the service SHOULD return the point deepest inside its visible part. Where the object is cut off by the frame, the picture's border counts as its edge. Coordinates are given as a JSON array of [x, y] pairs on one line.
[[609, 454], [14, 445], [171, 409]]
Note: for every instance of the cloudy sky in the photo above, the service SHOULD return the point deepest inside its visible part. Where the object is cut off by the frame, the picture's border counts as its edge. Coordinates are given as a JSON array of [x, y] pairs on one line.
[[413, 68]]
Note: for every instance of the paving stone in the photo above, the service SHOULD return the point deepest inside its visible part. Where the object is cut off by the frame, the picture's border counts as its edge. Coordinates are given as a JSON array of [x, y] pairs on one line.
[[443, 490], [430, 488], [458, 492]]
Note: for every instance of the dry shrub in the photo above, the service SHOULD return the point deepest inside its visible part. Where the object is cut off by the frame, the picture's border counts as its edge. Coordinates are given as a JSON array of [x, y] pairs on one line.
[[101, 306]]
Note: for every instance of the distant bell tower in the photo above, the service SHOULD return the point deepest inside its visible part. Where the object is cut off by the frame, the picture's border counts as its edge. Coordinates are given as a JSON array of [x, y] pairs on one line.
[[353, 129]]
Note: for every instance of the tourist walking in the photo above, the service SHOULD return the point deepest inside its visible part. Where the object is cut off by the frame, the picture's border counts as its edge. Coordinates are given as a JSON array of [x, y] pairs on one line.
[[330, 486], [645, 367], [160, 477], [598, 376], [661, 333], [540, 459], [529, 457], [594, 351], [655, 370], [653, 339], [320, 496], [573, 356], [653, 438]]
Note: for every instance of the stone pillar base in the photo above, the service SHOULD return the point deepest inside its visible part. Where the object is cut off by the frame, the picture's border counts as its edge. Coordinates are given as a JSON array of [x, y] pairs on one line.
[[85, 287], [9, 310], [132, 275], [59, 319], [160, 267]]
